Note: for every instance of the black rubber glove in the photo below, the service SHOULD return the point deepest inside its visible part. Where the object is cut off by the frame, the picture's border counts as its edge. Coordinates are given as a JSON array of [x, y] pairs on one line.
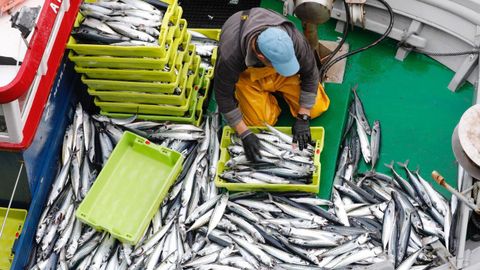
[[301, 133], [251, 145]]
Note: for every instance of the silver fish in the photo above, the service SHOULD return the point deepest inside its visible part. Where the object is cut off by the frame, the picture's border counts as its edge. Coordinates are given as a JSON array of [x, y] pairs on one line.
[[360, 112], [218, 212], [387, 223], [364, 142], [375, 142], [254, 250], [127, 31]]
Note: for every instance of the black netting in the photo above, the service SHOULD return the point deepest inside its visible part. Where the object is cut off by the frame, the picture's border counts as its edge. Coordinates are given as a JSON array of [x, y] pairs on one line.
[[212, 14]]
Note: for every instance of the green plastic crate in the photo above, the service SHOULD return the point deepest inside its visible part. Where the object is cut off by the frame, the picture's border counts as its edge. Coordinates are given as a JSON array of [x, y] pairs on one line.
[[190, 63], [128, 191], [134, 74], [157, 109], [318, 134], [194, 115], [13, 229], [147, 98], [116, 85], [213, 34], [150, 87], [135, 62], [170, 19]]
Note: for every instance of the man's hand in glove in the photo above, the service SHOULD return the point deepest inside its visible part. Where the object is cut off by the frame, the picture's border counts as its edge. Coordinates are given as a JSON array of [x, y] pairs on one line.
[[301, 131], [251, 145]]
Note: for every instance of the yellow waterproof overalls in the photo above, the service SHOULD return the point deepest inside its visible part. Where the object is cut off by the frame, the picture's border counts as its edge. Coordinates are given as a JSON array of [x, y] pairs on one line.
[[254, 91]]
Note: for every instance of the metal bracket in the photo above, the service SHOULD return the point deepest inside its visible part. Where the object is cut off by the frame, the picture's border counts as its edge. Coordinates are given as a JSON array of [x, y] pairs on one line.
[[468, 65], [414, 28]]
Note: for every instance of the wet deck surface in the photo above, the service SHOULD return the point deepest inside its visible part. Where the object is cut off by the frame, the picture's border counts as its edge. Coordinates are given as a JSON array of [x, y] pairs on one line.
[[410, 99]]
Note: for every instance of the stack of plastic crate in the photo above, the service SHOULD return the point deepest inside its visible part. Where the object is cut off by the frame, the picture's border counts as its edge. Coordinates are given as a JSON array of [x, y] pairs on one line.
[[161, 83]]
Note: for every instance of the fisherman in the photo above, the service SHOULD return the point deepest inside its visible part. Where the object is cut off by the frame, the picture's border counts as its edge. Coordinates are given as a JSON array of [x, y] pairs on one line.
[[261, 53]]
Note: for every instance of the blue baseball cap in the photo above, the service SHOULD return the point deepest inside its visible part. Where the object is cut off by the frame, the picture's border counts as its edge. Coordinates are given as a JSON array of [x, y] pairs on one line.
[[277, 46]]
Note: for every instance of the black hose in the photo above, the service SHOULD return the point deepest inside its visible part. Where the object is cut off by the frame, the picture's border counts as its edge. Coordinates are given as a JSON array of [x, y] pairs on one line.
[[376, 42], [342, 41]]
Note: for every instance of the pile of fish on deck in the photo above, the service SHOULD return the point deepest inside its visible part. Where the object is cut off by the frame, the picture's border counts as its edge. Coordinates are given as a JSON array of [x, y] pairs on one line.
[[373, 217], [121, 23], [409, 215]]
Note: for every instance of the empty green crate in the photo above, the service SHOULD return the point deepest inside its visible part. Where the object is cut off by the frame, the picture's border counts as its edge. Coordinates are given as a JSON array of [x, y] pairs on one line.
[[116, 85], [193, 116], [318, 134], [171, 19], [138, 96], [128, 106], [136, 108], [128, 191]]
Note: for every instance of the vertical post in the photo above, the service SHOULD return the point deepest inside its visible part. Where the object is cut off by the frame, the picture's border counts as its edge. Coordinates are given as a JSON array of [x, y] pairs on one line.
[[463, 219], [13, 120]]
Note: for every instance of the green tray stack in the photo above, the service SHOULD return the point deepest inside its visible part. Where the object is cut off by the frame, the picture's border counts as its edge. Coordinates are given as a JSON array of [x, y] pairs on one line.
[[161, 83]]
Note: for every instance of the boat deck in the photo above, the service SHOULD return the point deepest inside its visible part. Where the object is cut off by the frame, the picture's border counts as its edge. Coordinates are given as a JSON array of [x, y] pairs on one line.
[[411, 100]]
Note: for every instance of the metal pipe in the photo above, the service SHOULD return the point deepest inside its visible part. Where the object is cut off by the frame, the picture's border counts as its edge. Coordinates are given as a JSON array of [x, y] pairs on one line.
[[463, 219], [441, 181], [311, 34]]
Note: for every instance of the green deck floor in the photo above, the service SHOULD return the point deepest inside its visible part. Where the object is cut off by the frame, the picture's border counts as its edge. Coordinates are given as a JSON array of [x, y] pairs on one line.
[[416, 110]]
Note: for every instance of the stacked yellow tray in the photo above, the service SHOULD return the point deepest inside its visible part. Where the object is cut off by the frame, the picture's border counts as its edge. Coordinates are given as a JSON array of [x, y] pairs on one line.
[[163, 82]]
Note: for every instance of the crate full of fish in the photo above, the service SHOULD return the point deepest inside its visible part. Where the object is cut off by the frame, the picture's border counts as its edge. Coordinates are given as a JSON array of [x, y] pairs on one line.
[[172, 46], [281, 167], [129, 28], [130, 188], [206, 43], [168, 73]]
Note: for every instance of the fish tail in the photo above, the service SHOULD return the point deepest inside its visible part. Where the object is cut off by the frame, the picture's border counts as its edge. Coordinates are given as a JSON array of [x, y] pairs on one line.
[[404, 164], [390, 166]]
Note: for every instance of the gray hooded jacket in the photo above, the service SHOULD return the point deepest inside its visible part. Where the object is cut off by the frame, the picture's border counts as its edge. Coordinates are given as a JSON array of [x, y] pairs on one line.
[[232, 52]]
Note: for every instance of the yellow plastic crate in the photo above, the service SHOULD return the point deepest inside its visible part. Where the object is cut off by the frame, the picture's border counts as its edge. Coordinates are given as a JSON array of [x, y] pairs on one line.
[[318, 134], [171, 19], [13, 229], [136, 96], [130, 188], [215, 35], [134, 74], [194, 115], [128, 106], [136, 62], [145, 98], [155, 86]]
